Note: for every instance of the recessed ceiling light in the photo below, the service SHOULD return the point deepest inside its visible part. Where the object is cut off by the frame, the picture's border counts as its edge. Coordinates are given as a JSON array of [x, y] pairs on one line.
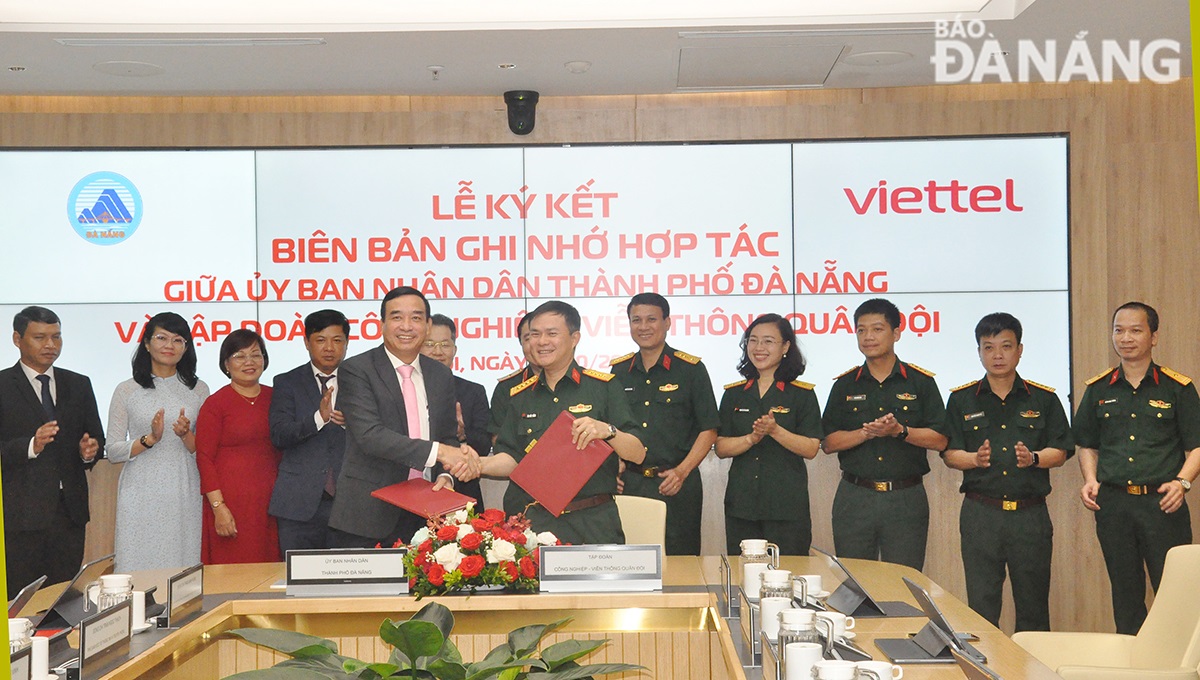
[[578, 66], [506, 66], [16, 69], [129, 69]]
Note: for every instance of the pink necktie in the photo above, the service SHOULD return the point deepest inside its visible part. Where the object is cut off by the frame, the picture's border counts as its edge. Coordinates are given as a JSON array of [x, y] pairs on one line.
[[409, 390]]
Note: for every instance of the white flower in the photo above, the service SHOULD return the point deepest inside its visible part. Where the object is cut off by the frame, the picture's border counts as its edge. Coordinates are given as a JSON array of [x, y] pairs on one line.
[[421, 536], [501, 551], [530, 540], [448, 556], [464, 529], [547, 538], [460, 516]]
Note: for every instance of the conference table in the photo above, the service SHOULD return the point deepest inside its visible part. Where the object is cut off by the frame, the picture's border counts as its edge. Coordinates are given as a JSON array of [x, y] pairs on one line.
[[675, 633]]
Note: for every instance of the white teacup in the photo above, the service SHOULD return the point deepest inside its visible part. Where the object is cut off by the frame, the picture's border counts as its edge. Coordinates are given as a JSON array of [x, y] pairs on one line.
[[841, 622], [834, 670], [881, 670], [798, 660], [813, 581]]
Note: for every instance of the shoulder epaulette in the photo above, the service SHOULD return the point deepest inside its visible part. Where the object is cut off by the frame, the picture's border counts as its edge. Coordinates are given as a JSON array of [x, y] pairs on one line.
[[1039, 385], [512, 375], [736, 384], [687, 357], [1178, 377], [917, 368], [845, 373], [618, 360], [517, 389], [1098, 376], [803, 385], [970, 384], [598, 375]]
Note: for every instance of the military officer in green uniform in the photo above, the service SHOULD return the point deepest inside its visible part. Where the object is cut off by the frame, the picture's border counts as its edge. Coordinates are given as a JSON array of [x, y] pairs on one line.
[[881, 418], [501, 401], [770, 424], [1138, 429], [672, 401], [602, 413], [1005, 434]]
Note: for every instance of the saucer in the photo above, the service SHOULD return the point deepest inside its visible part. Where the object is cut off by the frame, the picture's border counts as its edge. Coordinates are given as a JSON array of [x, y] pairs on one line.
[[848, 635], [142, 628]]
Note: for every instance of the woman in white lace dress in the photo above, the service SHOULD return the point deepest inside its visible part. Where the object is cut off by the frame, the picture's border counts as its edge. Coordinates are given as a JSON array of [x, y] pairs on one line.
[[150, 434]]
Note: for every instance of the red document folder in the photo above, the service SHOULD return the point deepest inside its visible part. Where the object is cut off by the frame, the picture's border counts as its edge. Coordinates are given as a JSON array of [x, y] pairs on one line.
[[554, 470], [418, 497]]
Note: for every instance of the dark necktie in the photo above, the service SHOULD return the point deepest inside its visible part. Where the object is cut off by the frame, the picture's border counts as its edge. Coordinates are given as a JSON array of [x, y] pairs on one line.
[[47, 400], [330, 483]]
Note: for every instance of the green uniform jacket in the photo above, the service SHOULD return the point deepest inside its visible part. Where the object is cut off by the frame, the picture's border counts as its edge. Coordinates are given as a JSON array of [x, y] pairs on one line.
[[1142, 434], [768, 482], [1030, 414], [502, 400], [672, 403], [910, 393]]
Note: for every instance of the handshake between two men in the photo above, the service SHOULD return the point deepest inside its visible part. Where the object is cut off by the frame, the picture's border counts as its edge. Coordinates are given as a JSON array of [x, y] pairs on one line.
[[462, 461]]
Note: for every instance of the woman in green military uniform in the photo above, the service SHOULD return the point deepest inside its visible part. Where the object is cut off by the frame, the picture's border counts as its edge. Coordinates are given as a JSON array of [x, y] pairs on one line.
[[770, 423]]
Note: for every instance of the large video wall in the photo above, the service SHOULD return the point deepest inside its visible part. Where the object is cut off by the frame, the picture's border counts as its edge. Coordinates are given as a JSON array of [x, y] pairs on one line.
[[947, 229]]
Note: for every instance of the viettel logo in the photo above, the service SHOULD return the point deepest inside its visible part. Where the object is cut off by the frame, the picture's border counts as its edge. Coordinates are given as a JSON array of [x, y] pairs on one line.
[[105, 208]]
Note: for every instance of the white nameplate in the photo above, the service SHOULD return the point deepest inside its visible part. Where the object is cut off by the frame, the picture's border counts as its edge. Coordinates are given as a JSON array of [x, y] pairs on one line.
[[600, 568], [104, 637], [185, 594], [346, 573], [21, 664]]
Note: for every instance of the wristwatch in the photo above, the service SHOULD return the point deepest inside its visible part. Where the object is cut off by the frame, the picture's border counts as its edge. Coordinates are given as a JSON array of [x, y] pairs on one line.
[[1036, 459], [612, 432], [903, 433], [1187, 486], [144, 443]]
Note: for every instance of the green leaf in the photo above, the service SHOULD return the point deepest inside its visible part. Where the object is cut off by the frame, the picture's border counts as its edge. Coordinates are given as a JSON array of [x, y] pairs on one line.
[[479, 671], [437, 614], [450, 653], [524, 641], [447, 670], [588, 671], [509, 674], [278, 673], [413, 638], [569, 650], [289, 642], [382, 670]]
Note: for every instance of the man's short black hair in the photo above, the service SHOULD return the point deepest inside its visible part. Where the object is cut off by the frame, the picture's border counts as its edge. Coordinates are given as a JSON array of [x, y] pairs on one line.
[[879, 306], [996, 323], [33, 314], [652, 299], [569, 313], [318, 321], [443, 320], [401, 291], [1151, 313]]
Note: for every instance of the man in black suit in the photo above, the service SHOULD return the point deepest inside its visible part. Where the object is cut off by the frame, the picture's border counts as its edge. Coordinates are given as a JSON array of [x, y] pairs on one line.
[[471, 411], [400, 423], [309, 429], [50, 434]]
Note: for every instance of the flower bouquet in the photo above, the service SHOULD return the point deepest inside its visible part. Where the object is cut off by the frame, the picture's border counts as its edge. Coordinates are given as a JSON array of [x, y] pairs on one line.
[[465, 551]]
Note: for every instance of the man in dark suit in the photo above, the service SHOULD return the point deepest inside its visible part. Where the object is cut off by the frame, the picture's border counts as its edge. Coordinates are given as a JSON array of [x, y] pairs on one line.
[[471, 411], [309, 429], [50, 434], [400, 423]]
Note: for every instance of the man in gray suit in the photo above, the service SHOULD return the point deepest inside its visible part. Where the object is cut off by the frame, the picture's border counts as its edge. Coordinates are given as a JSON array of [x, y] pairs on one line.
[[400, 424], [309, 429]]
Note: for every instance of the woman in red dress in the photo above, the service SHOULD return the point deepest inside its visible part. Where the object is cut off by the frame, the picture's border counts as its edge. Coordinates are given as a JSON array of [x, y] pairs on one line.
[[237, 462]]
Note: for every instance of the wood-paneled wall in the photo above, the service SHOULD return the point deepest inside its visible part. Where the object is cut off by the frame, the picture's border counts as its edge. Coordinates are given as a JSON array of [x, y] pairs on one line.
[[1133, 213]]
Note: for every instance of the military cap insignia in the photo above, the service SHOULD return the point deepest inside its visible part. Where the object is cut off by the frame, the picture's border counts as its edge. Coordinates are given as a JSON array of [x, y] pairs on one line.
[[1039, 386], [1177, 376], [517, 389], [847, 372], [580, 408], [687, 357], [668, 388], [780, 409], [1158, 403], [618, 360], [803, 385], [926, 371], [1031, 414], [963, 387], [906, 396], [736, 384], [598, 375], [1098, 376]]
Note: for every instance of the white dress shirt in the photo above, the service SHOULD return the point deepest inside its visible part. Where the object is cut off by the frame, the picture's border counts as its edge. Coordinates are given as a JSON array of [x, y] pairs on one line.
[[422, 403], [32, 376]]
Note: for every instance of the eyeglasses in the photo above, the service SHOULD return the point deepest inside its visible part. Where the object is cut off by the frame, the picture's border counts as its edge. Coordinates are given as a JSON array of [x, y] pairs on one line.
[[240, 358], [164, 340], [763, 342], [447, 344]]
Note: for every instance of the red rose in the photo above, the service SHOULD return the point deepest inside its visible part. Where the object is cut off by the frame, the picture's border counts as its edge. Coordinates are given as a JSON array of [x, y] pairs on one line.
[[509, 571], [536, 554], [502, 534], [436, 574], [471, 541], [426, 547], [471, 565], [493, 515], [528, 568], [480, 524], [412, 583], [447, 533]]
